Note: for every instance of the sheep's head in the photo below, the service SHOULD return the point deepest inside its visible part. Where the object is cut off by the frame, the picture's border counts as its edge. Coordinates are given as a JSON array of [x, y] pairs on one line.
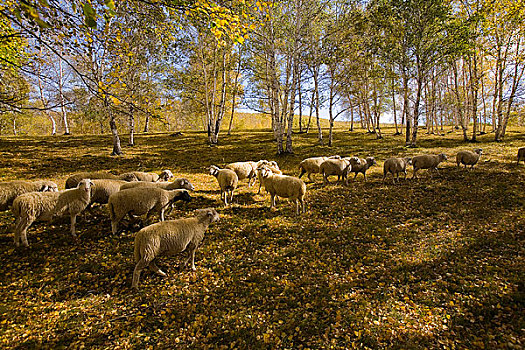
[[181, 195], [85, 185], [49, 186], [354, 161], [371, 161], [209, 214], [478, 151], [443, 156], [274, 164], [183, 183], [264, 171], [165, 175], [261, 163], [335, 157], [408, 160], [214, 170]]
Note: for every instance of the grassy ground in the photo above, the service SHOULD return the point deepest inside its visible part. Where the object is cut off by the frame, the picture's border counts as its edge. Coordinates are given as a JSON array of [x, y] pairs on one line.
[[432, 263]]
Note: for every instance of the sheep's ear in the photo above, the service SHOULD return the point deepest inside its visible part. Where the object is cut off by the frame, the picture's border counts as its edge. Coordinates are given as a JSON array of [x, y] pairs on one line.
[[44, 188]]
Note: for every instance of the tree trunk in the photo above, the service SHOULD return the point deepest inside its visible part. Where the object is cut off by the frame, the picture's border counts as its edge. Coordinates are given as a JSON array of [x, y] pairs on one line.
[[300, 93], [117, 150], [131, 127], [61, 92], [394, 107], [317, 107], [416, 104], [146, 124]]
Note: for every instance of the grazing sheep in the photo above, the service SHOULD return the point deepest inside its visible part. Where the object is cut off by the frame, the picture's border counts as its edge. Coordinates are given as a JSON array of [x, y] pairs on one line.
[[244, 170], [165, 175], [427, 161], [273, 166], [73, 180], [311, 165], [521, 155], [74, 201], [360, 166], [339, 167], [30, 207], [183, 184], [9, 190], [228, 181], [468, 157], [285, 187], [396, 166], [142, 200], [102, 189], [169, 238]]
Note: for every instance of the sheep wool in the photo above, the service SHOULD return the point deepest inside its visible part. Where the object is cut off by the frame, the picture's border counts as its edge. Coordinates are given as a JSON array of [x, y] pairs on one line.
[[74, 201], [182, 184], [311, 165], [30, 207], [427, 161], [142, 201], [102, 189], [9, 190], [468, 157], [165, 175], [273, 166], [244, 170], [74, 179], [285, 187], [395, 166], [339, 167], [360, 165], [169, 238], [228, 181]]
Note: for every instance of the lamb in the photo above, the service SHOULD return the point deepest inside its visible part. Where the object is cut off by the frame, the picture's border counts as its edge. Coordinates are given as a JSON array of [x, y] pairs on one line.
[[165, 175], [244, 170], [74, 201], [396, 166], [73, 180], [311, 165], [285, 187], [169, 238], [273, 166], [142, 200], [468, 157], [228, 181], [9, 190], [181, 183], [30, 207], [339, 167], [427, 161], [521, 155], [360, 166]]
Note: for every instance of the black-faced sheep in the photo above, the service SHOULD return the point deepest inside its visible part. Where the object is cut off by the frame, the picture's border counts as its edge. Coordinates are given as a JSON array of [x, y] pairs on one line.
[[169, 238]]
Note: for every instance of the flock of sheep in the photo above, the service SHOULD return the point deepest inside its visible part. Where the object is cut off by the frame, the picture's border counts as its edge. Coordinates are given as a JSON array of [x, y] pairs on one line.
[[138, 193]]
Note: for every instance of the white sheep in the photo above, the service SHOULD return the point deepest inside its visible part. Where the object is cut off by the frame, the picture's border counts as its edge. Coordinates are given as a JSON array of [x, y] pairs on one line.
[[468, 157], [427, 161], [169, 238], [521, 155], [102, 189], [311, 165], [74, 179], [9, 190], [340, 167], [285, 187], [273, 166], [165, 175], [30, 207], [228, 181], [360, 166], [142, 200], [244, 170], [182, 184], [395, 166], [73, 202]]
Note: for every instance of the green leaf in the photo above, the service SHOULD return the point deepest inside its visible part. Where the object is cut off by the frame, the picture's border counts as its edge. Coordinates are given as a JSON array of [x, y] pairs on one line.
[[89, 15], [110, 4]]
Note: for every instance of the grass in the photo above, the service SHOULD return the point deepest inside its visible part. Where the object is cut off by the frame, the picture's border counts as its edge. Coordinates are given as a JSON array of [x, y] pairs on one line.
[[432, 263]]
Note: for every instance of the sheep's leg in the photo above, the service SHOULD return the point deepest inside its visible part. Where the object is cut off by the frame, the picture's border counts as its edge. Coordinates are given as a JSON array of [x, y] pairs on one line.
[[231, 196], [73, 223], [136, 273], [310, 177], [414, 176], [364, 176], [260, 185], [156, 269], [325, 178], [272, 200], [161, 214], [23, 225], [303, 207]]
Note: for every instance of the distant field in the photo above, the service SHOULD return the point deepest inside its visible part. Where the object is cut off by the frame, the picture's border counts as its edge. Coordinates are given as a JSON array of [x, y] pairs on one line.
[[432, 263]]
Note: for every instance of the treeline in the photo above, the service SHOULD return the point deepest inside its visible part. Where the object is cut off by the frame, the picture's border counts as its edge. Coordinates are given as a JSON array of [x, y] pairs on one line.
[[139, 65]]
